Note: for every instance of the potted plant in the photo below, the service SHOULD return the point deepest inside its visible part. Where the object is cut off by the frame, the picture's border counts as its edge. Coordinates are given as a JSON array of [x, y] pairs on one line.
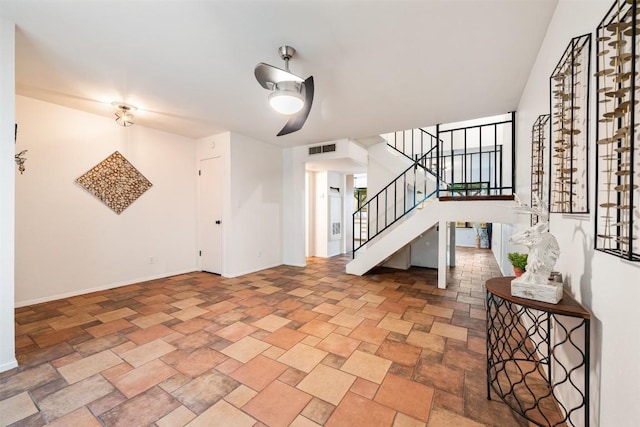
[[518, 261]]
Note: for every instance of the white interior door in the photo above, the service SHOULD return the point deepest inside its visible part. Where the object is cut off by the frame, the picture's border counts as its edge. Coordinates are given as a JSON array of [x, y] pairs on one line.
[[211, 176]]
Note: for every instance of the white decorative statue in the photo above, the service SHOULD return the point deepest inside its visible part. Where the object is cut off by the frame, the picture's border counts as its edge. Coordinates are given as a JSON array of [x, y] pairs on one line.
[[543, 254]]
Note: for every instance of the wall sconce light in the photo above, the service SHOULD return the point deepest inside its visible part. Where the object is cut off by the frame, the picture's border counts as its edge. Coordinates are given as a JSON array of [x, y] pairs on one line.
[[20, 159], [124, 113]]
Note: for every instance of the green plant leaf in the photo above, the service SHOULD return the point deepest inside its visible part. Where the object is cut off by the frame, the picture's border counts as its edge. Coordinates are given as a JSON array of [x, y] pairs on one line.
[[518, 260]]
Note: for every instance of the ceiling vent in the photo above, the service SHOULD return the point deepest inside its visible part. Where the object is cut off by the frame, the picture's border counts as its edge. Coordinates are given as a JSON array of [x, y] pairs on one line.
[[322, 149], [328, 148]]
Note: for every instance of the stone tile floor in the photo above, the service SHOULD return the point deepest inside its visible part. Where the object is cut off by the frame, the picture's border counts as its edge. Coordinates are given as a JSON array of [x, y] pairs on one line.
[[286, 346]]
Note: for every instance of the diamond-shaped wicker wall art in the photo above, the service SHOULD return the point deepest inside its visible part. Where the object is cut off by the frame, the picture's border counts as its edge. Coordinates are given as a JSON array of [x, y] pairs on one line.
[[115, 181]]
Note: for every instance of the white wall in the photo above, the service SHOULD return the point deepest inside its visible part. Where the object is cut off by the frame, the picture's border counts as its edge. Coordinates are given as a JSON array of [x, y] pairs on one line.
[[294, 219], [501, 247], [299, 213], [424, 251], [606, 285], [349, 209], [400, 260], [383, 167], [309, 203], [319, 227], [254, 234], [320, 210], [8, 171], [466, 237], [335, 246], [67, 241], [251, 201]]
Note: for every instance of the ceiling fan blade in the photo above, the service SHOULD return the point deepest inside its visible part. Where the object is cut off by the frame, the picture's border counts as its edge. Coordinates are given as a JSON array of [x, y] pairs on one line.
[[268, 75], [296, 121]]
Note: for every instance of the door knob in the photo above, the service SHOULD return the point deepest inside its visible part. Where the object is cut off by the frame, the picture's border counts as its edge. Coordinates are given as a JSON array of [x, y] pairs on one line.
[[218, 222]]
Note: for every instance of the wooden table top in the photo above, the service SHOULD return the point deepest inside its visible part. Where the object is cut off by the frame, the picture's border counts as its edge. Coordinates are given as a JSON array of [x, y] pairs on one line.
[[568, 306]]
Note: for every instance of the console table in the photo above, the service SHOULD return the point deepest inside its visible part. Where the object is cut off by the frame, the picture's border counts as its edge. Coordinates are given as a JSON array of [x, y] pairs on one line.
[[536, 353]]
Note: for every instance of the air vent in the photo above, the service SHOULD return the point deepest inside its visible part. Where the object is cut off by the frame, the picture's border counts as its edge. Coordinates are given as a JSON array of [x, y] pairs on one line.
[[328, 148], [322, 149]]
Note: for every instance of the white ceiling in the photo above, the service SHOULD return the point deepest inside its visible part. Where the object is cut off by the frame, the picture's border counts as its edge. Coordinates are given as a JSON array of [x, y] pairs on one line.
[[378, 65]]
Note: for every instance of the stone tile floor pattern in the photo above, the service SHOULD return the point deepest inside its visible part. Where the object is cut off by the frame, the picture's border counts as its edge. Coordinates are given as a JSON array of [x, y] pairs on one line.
[[286, 346]]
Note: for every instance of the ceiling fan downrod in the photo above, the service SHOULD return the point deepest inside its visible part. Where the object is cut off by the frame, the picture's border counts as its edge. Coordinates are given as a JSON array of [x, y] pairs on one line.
[[286, 53]]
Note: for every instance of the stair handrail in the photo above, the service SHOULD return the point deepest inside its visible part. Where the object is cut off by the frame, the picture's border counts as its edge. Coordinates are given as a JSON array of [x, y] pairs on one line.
[[416, 202], [441, 174], [413, 155], [432, 151]]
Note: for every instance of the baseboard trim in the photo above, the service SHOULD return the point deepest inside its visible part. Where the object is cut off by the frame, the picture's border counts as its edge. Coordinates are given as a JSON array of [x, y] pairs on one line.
[[100, 288], [242, 273], [13, 363], [295, 264]]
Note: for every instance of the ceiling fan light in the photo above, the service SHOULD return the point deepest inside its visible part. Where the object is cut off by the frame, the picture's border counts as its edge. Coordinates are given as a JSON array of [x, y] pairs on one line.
[[124, 119], [286, 102], [124, 113]]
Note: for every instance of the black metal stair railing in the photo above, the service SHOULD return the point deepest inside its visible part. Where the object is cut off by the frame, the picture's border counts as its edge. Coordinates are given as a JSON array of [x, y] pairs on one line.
[[478, 159], [402, 195], [462, 162], [414, 143]]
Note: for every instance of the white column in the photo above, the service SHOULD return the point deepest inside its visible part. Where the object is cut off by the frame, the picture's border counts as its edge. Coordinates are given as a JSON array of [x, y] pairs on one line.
[[7, 194], [293, 214], [442, 254], [452, 244], [349, 208]]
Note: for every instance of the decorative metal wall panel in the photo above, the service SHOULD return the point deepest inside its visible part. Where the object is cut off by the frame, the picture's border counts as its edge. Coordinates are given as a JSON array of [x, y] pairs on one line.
[[617, 153], [115, 181], [569, 178], [539, 165]]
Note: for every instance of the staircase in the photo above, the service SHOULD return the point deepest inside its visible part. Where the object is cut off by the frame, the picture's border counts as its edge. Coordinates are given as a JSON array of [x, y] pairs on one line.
[[399, 198], [424, 195], [434, 213], [415, 144]]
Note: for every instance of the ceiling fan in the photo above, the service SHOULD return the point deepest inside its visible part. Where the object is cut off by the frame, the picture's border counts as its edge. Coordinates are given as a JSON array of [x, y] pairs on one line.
[[291, 95]]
